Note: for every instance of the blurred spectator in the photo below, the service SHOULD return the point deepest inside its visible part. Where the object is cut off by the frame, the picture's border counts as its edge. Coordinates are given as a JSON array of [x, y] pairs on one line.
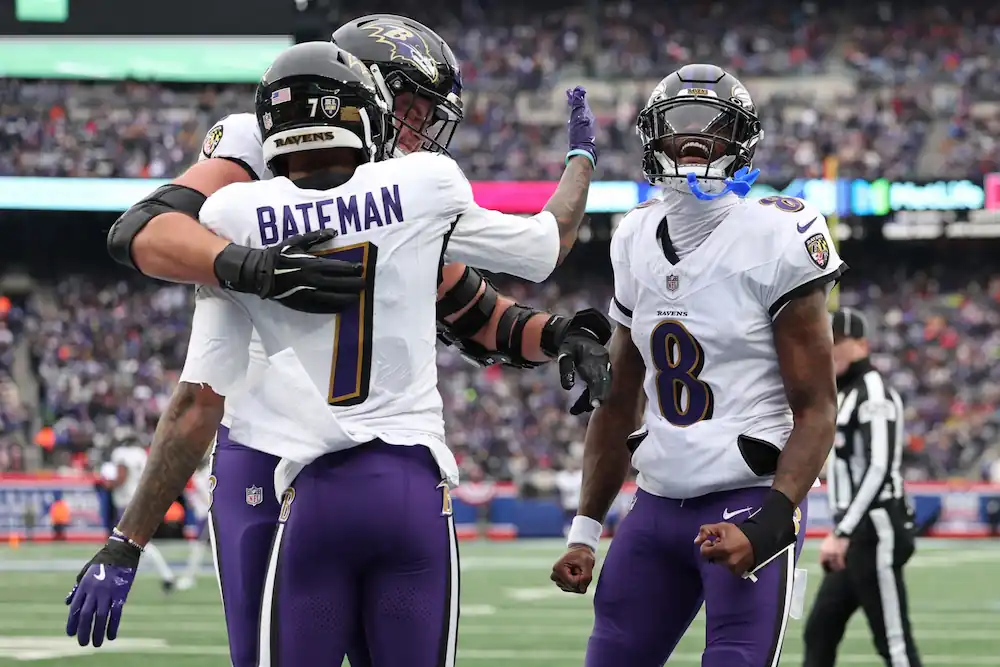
[[925, 103], [108, 355], [917, 67]]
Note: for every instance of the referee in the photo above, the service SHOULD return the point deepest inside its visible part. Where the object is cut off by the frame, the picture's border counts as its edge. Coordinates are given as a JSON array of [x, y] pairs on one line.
[[873, 535]]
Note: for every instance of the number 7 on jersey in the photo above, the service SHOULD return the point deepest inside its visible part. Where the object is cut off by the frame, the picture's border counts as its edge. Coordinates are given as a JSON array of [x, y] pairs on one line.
[[351, 366]]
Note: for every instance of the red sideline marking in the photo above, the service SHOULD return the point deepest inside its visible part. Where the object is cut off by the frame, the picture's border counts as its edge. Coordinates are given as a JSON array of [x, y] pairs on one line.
[[468, 531], [913, 487], [47, 537], [497, 531], [47, 484], [502, 531], [953, 534], [502, 489], [42, 477], [473, 534]]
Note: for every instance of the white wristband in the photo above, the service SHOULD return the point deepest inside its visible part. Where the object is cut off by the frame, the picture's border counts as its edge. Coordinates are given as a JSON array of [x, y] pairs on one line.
[[586, 531]]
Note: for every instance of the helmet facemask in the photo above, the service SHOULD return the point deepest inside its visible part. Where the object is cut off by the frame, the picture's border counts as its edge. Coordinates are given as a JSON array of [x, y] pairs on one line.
[[702, 135], [424, 120]]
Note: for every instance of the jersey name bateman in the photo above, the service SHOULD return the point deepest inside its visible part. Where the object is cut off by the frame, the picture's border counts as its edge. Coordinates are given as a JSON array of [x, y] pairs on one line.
[[347, 214]]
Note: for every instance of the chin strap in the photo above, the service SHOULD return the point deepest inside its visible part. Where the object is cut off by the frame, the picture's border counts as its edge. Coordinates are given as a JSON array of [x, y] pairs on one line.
[[739, 184]]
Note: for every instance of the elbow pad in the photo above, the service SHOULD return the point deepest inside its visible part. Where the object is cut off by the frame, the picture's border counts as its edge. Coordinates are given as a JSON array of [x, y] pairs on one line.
[[510, 335], [463, 293], [169, 198], [459, 333]]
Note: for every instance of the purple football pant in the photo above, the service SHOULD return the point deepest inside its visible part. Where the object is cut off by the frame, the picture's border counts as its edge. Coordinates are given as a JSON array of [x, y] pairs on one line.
[[365, 539], [654, 581], [241, 523]]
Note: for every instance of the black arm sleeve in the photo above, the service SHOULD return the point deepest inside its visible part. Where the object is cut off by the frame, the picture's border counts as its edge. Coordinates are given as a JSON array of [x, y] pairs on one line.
[[167, 198]]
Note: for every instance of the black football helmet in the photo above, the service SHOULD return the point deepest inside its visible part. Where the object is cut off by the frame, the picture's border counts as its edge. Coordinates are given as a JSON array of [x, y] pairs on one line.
[[701, 120], [317, 95], [416, 70]]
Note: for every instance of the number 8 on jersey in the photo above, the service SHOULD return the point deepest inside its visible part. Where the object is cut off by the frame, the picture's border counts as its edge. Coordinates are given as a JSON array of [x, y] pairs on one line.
[[679, 359]]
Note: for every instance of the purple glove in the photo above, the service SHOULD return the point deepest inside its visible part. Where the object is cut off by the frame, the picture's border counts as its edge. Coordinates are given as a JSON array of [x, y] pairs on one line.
[[582, 125], [100, 592]]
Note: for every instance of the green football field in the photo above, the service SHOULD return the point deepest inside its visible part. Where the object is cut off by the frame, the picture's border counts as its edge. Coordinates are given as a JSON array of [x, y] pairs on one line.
[[511, 613]]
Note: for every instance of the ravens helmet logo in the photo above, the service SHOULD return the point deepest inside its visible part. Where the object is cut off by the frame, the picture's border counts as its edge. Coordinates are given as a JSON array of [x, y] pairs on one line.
[[407, 46]]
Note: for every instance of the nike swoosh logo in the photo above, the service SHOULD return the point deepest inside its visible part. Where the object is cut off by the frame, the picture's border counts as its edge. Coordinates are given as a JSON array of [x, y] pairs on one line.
[[802, 228], [100, 576], [278, 272], [727, 515]]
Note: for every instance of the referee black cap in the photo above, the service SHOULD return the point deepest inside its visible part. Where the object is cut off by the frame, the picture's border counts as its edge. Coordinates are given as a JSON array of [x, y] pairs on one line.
[[850, 323]]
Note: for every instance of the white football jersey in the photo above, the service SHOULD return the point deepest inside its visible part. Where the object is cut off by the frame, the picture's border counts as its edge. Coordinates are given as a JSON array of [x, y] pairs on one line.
[[199, 493], [372, 367], [237, 137], [133, 458], [703, 327]]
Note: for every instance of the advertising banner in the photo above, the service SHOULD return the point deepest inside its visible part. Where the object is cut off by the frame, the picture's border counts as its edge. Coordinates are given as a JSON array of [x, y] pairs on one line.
[[858, 198], [944, 510], [114, 195], [483, 509]]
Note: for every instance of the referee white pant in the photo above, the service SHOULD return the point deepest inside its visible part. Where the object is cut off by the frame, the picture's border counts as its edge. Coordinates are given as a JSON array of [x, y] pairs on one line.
[[872, 580]]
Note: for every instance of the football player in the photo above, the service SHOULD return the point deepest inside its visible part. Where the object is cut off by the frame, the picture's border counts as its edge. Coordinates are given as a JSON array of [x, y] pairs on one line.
[[418, 70], [361, 431], [198, 499], [125, 467], [722, 322]]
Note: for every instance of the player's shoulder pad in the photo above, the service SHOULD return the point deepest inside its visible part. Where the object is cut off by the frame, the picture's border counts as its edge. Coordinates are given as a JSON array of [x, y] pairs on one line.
[[432, 167], [779, 220], [633, 219], [447, 191], [628, 227], [231, 211], [784, 216], [237, 137]]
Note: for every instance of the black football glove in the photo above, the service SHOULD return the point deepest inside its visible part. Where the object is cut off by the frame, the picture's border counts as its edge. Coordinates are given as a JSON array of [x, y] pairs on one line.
[[288, 274], [582, 351]]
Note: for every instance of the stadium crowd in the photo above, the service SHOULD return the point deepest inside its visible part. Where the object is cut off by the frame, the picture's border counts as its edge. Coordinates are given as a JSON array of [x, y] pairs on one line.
[[913, 68], [15, 419], [107, 354]]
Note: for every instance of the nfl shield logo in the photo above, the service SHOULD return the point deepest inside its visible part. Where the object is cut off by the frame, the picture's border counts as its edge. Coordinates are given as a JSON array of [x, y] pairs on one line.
[[330, 105], [255, 496], [673, 282]]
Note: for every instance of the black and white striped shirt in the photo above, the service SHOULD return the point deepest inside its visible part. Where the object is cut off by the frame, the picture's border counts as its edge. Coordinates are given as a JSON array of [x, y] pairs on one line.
[[864, 468]]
